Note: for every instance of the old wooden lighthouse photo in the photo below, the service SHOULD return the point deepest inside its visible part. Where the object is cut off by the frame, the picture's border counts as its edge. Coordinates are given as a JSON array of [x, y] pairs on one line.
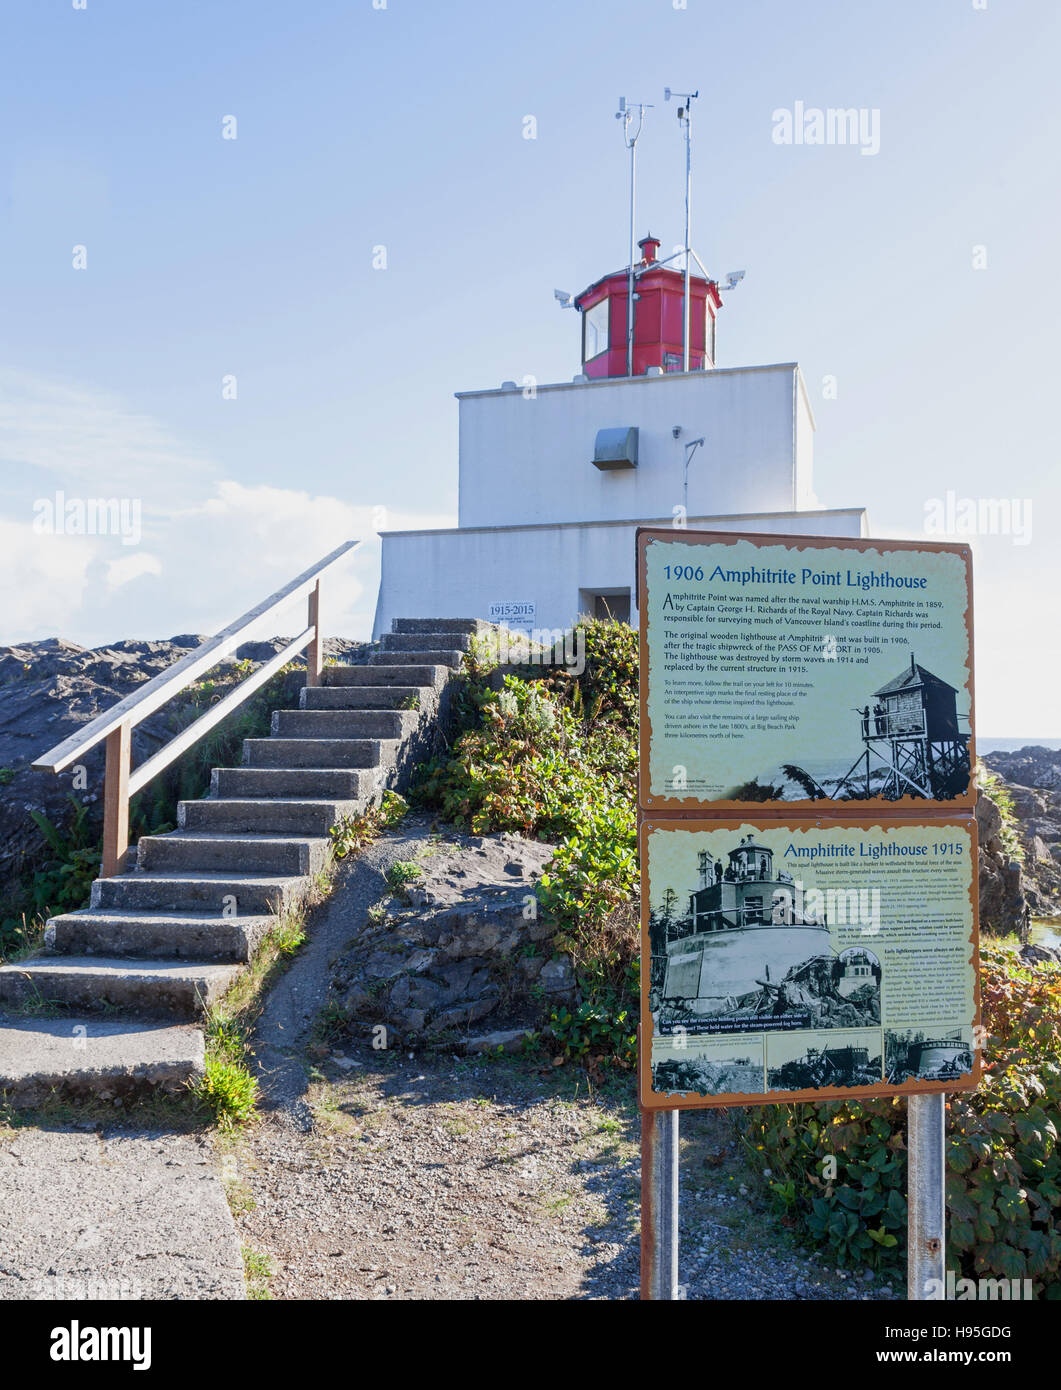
[[914, 744]]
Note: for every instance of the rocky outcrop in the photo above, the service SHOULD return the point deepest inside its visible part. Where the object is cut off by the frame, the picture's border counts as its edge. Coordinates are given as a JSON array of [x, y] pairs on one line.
[[1001, 882], [1032, 778], [459, 943], [51, 688]]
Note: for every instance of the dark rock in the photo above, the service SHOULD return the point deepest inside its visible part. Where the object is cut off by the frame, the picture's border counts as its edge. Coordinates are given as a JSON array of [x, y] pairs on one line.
[[48, 690], [557, 977], [1040, 955], [467, 950], [1032, 778]]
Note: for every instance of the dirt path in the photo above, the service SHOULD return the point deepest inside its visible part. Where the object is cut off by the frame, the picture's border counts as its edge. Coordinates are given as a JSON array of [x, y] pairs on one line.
[[431, 1176], [452, 1178]]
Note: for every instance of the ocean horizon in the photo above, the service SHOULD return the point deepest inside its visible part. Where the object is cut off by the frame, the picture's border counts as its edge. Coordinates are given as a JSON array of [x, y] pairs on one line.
[[1011, 745]]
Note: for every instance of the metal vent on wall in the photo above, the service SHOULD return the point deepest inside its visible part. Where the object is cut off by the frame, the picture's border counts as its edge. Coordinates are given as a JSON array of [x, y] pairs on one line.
[[616, 448]]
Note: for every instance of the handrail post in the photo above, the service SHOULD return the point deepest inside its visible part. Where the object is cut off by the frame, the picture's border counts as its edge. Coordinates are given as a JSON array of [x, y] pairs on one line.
[[116, 800], [315, 650]]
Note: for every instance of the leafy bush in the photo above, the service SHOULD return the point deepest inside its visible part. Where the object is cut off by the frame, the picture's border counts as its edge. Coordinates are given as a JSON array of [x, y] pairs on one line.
[[59, 881], [603, 1025], [553, 754], [1003, 1156], [1004, 1160], [835, 1174], [354, 832]]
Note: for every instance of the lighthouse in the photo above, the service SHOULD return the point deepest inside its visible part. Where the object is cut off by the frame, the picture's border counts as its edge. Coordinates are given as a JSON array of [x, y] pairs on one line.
[[659, 302], [554, 479]]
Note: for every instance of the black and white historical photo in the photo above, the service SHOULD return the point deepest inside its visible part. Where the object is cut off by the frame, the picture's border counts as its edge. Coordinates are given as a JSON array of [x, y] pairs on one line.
[[800, 1063], [745, 951], [932, 1054], [706, 1066]]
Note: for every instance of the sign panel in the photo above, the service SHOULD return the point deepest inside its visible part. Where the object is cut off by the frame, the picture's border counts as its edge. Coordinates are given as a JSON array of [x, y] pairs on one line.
[[795, 672], [509, 611], [807, 959]]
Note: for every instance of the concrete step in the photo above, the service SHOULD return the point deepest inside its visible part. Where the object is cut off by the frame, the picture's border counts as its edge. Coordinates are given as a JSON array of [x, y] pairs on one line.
[[185, 936], [413, 697], [177, 989], [214, 893], [283, 816], [89, 1055], [433, 625], [435, 657], [312, 752], [385, 674], [344, 723], [418, 641], [185, 850], [304, 783]]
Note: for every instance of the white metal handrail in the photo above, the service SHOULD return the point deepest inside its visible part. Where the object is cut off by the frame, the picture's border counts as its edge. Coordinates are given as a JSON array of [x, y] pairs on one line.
[[116, 724]]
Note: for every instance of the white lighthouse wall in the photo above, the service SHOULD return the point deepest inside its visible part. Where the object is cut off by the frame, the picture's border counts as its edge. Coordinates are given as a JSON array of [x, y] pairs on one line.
[[460, 573], [526, 454], [805, 495]]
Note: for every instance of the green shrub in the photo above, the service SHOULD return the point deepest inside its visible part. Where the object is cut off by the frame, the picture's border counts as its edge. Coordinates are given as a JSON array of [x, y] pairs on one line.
[[1003, 1157], [553, 754], [401, 872], [835, 1173], [228, 1091], [604, 1025], [1004, 1161], [59, 878], [353, 832]]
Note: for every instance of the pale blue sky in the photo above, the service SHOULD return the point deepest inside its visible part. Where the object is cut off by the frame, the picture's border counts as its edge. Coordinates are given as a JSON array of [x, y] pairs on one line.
[[404, 127]]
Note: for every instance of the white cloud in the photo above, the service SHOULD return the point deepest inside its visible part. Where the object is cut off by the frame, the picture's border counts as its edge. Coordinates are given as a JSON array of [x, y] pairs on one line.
[[43, 579], [130, 567], [92, 443], [217, 546], [258, 537]]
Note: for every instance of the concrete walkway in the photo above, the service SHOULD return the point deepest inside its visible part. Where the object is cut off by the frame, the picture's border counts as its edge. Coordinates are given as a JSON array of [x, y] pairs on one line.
[[114, 1216]]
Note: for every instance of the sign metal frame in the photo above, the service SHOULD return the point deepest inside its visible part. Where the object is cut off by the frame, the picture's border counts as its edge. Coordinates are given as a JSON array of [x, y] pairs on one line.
[[651, 1100]]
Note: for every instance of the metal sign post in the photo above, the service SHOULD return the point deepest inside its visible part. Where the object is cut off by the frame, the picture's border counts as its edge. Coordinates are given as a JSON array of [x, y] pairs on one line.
[[659, 1205], [926, 1203]]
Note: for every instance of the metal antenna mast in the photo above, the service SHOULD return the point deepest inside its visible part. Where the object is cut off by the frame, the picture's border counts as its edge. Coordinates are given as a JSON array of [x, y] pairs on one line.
[[685, 119], [625, 114]]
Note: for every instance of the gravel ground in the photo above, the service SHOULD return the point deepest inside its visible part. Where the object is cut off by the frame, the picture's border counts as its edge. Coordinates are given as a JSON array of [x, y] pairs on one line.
[[431, 1176], [452, 1178]]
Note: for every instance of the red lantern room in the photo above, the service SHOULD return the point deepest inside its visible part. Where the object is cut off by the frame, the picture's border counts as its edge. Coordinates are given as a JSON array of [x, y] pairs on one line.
[[658, 317]]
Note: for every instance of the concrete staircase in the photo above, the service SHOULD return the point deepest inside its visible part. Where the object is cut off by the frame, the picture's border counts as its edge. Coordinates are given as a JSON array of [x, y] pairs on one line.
[[111, 1004]]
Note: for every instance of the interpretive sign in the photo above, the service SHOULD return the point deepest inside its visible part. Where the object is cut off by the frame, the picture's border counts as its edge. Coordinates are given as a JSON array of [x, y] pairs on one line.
[[807, 959], [801, 671]]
